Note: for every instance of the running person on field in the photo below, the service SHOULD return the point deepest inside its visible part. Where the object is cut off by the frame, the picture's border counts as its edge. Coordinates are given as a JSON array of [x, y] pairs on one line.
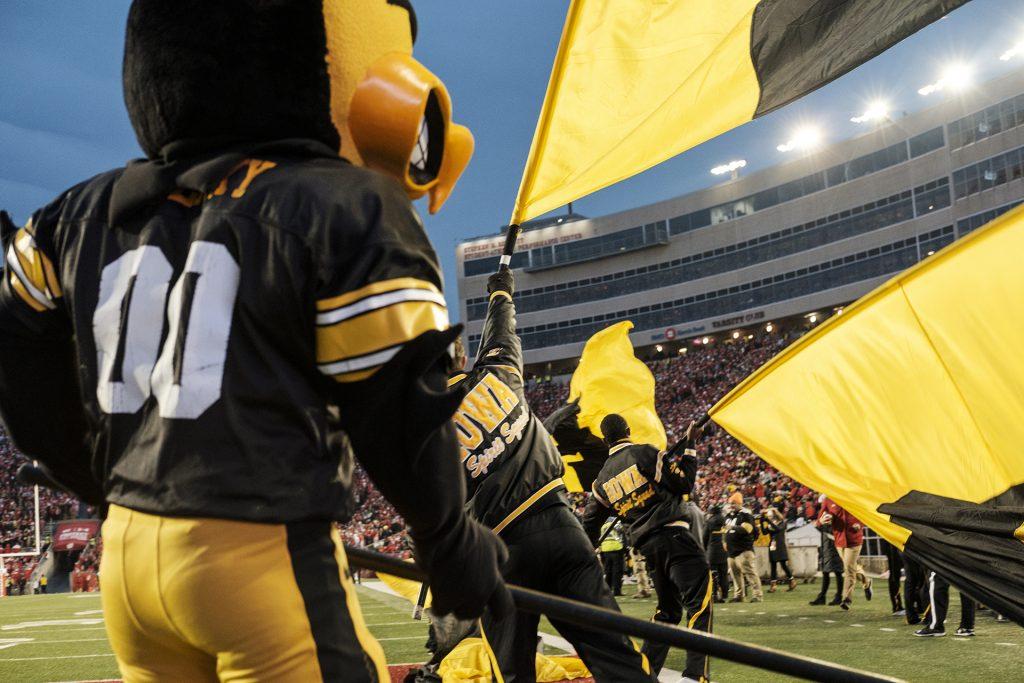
[[646, 487]]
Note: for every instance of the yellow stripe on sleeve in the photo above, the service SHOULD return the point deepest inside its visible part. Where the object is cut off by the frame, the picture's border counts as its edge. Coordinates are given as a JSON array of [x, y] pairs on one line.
[[32, 271], [23, 293], [375, 288], [378, 329]]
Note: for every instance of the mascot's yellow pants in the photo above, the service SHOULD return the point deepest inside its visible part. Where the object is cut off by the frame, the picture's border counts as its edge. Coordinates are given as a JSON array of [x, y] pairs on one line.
[[191, 599]]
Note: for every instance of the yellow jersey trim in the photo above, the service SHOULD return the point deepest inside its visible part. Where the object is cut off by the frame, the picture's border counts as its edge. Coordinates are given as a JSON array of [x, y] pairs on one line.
[[528, 503], [374, 288]]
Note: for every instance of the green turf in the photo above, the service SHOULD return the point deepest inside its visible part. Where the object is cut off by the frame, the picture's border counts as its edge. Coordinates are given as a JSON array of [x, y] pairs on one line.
[[79, 651]]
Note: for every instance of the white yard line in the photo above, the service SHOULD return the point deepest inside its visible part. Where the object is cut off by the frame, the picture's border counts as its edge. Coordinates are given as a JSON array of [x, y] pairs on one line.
[[420, 637], [34, 659]]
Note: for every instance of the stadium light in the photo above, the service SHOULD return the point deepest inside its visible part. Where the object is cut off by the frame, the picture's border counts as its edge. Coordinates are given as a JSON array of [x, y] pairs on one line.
[[813, 317], [769, 327], [1014, 51], [736, 334], [876, 111], [658, 348], [704, 341], [731, 167], [804, 139], [955, 77]]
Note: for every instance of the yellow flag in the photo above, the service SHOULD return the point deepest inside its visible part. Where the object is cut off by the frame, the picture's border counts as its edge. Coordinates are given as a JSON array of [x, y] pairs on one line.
[[908, 411], [638, 81], [611, 379]]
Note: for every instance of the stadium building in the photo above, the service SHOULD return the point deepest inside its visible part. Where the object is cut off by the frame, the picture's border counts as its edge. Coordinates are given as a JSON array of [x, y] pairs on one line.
[[787, 245]]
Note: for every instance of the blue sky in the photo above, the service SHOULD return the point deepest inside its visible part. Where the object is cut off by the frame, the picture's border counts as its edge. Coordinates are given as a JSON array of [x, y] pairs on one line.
[[62, 116]]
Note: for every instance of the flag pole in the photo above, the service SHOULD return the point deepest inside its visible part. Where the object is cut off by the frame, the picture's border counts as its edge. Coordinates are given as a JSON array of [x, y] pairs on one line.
[[511, 237], [602, 619]]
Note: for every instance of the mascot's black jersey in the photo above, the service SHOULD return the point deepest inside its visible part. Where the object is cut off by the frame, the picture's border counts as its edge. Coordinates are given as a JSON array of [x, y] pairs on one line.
[[510, 461], [645, 488], [208, 303]]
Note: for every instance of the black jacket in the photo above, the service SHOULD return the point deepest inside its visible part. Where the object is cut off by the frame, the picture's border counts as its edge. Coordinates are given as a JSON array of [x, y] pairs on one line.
[[171, 333], [714, 539], [510, 462], [740, 532], [645, 488], [777, 550]]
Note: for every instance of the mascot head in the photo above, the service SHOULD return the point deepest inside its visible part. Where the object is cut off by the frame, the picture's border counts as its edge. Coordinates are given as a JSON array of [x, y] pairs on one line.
[[338, 71]]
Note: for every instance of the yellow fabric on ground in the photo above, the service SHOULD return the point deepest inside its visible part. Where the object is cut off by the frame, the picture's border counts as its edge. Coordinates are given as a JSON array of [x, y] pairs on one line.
[[468, 663]]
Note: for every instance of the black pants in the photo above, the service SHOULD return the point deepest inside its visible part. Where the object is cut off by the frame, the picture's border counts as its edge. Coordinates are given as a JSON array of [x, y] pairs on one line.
[[682, 580], [614, 567], [915, 591], [548, 551], [720, 574], [938, 590], [785, 567], [825, 583], [895, 558]]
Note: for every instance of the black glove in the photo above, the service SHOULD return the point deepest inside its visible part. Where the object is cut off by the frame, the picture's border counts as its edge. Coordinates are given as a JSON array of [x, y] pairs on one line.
[[502, 281], [465, 571]]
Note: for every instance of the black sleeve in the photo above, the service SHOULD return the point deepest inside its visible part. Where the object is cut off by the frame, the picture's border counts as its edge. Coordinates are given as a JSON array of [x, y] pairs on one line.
[[594, 516], [677, 472], [382, 335], [499, 343], [40, 402]]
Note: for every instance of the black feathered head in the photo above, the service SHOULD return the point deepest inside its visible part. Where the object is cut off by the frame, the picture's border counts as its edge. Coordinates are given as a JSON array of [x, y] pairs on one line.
[[337, 71]]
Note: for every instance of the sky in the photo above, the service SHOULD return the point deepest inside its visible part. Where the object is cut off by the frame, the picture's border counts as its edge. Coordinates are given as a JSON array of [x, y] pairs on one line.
[[62, 116]]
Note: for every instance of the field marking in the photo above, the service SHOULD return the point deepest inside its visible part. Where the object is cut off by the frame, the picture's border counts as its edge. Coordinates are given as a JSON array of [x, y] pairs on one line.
[[887, 630], [88, 611], [409, 622], [1010, 644], [419, 637], [34, 659], [51, 622], [857, 625], [830, 621], [11, 642]]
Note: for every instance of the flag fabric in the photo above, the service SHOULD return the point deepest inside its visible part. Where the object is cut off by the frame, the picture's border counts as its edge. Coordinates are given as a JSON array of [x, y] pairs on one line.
[[609, 379], [908, 411], [636, 82]]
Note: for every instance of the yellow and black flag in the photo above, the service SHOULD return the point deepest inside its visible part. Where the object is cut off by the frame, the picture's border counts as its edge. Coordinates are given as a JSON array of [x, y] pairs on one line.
[[636, 82], [609, 379], [908, 411]]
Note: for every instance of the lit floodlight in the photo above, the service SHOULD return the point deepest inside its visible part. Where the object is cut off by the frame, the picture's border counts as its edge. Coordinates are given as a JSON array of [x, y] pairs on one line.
[[1015, 51], [813, 317], [955, 77], [769, 327], [658, 348], [804, 139], [730, 167], [876, 111], [736, 335], [704, 341]]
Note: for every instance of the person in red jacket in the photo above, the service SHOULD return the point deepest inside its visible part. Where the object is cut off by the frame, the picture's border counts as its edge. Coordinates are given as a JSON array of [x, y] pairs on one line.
[[848, 532]]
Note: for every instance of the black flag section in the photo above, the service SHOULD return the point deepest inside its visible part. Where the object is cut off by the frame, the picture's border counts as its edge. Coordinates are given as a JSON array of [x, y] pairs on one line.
[[797, 46], [977, 548]]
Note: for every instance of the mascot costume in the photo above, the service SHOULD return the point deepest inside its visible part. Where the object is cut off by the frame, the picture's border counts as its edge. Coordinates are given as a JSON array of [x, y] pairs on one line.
[[207, 321]]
